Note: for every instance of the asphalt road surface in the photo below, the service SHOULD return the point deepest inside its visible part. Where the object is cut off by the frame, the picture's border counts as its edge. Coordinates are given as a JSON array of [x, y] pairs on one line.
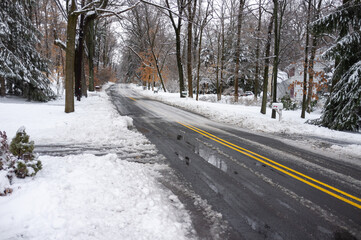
[[264, 187]]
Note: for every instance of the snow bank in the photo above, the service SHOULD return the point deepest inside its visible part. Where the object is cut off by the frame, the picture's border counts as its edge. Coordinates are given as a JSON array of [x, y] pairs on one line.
[[86, 196], [89, 197]]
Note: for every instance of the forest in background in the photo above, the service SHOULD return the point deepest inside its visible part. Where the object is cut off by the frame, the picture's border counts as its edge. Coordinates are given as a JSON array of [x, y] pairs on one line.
[[185, 46]]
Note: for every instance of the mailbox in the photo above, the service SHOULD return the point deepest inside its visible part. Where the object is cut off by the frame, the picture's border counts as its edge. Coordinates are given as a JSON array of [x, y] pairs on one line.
[[277, 106]]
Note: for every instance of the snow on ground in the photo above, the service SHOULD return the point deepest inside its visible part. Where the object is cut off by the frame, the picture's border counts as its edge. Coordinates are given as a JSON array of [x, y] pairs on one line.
[[86, 196], [246, 115]]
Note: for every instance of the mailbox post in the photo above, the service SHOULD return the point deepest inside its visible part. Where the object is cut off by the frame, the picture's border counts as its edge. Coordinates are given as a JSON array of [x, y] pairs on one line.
[[278, 107]]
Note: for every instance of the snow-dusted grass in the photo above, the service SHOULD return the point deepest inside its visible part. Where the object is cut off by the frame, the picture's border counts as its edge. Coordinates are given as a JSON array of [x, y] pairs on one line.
[[247, 115], [86, 196]]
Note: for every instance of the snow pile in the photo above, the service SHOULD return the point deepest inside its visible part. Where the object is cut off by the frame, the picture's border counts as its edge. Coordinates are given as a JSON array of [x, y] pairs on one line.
[[4, 181], [90, 197], [86, 196]]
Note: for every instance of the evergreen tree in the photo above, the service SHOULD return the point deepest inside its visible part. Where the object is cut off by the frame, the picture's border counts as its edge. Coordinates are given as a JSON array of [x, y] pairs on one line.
[[340, 111], [21, 65]]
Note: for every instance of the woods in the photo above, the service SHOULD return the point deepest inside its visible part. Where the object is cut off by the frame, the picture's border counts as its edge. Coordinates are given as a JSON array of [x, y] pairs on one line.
[[274, 49]]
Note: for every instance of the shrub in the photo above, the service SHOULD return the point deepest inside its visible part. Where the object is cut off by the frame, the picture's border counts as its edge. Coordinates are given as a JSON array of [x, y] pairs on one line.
[[288, 104], [21, 147], [17, 160]]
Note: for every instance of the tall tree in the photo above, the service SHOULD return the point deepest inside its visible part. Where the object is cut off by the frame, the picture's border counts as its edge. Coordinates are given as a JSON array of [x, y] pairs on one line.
[[202, 26], [22, 66], [305, 64], [343, 106], [100, 8], [278, 13], [238, 48], [258, 40], [79, 64], [191, 13], [311, 72], [177, 25], [153, 26], [266, 65]]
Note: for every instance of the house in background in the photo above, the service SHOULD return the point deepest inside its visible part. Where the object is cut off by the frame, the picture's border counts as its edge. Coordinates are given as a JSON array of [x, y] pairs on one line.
[[295, 80]]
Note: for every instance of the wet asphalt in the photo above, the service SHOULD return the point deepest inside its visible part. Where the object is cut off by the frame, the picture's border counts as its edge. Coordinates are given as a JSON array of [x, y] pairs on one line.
[[255, 199]]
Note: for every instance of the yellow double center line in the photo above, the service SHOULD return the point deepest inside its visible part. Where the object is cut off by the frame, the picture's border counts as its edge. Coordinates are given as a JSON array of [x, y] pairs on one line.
[[337, 193]]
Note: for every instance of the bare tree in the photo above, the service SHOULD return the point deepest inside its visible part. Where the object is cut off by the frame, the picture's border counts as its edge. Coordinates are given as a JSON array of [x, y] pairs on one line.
[[202, 26], [278, 13], [191, 13], [177, 25], [316, 13], [258, 40], [305, 66], [152, 34], [238, 48], [266, 65], [73, 13]]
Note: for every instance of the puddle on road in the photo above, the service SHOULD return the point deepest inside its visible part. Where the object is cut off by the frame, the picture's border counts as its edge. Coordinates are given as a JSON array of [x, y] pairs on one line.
[[211, 157]]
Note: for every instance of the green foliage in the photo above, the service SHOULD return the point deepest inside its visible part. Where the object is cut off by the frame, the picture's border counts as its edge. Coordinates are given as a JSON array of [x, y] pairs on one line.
[[7, 160], [22, 65], [21, 147], [288, 104], [340, 109], [18, 158], [21, 170]]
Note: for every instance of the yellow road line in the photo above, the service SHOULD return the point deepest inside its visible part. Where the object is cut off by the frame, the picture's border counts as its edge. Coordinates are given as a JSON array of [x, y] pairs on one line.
[[279, 167], [132, 98]]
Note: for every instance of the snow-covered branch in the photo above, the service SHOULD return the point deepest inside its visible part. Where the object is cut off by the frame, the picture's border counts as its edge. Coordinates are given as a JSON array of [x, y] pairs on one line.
[[60, 44]]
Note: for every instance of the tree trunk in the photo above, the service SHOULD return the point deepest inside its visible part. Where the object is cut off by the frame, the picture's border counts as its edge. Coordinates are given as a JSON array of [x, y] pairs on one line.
[[79, 58], [305, 67], [47, 51], [177, 30], [276, 53], [199, 59], [223, 55], [191, 13], [69, 61], [312, 58], [266, 66], [311, 74], [256, 79], [89, 23], [179, 63], [84, 89], [217, 65], [2, 87], [238, 49]]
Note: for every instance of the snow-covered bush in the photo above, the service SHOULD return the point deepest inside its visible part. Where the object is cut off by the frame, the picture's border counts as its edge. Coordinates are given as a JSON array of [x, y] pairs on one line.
[[20, 145], [17, 160], [288, 103], [22, 148], [7, 161]]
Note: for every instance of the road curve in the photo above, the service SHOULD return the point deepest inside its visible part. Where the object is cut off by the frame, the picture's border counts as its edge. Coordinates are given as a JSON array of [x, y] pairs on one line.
[[263, 187]]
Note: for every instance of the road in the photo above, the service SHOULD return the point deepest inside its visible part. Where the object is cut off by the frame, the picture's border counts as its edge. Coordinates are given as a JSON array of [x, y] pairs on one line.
[[264, 187]]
